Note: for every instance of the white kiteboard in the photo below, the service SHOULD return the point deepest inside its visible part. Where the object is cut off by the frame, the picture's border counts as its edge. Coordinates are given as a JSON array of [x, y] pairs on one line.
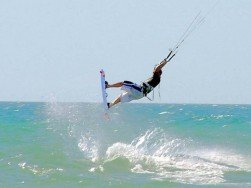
[[104, 94]]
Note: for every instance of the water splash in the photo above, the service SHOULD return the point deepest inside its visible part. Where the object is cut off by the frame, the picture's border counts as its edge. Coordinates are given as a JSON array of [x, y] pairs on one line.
[[170, 158], [89, 146]]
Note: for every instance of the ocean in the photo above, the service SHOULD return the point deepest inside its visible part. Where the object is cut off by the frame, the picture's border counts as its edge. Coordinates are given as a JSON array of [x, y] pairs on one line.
[[140, 145]]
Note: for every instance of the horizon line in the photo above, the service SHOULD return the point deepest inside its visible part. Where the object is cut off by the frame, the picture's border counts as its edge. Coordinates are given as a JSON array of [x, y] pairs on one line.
[[90, 102]]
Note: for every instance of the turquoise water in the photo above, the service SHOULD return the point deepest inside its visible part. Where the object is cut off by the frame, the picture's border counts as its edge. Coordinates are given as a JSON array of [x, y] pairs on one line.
[[141, 145]]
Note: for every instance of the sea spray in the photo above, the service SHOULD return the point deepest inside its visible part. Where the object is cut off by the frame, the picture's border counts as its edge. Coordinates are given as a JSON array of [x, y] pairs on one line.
[[166, 158]]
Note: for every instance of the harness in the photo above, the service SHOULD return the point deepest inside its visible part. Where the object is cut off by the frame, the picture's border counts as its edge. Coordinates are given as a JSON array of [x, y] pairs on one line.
[[146, 88]]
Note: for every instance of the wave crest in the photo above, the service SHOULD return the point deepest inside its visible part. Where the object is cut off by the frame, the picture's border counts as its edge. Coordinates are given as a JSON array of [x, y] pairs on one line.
[[170, 158]]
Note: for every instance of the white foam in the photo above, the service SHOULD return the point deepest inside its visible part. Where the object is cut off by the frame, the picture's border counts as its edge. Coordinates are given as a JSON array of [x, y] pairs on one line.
[[35, 169], [95, 169], [161, 113], [139, 169], [169, 158]]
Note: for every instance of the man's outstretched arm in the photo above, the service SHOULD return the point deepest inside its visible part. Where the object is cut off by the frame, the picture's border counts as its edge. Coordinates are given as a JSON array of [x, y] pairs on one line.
[[161, 65]]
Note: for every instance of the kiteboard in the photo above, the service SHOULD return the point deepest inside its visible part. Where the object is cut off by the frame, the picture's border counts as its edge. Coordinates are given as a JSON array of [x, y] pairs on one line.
[[103, 89]]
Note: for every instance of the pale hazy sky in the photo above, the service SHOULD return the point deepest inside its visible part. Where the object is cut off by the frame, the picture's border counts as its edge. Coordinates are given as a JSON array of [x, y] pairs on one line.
[[53, 49]]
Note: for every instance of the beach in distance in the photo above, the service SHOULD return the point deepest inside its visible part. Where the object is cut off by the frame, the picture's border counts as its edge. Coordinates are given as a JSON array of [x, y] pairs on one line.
[[140, 145]]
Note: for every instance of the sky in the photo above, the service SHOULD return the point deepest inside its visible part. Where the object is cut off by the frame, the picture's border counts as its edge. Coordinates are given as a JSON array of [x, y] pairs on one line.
[[53, 50]]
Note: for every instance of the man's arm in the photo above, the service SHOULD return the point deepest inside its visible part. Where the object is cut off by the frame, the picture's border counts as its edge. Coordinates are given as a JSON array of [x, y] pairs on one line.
[[161, 65]]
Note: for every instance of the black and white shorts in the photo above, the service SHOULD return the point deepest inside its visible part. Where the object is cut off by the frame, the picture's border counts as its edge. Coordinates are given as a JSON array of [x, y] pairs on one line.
[[132, 92]]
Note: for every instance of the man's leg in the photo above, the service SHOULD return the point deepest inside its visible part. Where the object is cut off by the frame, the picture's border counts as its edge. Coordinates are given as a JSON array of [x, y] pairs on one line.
[[119, 84], [116, 101]]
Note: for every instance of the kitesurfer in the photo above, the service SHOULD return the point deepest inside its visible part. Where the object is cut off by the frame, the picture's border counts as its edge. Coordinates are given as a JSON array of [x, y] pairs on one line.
[[133, 91]]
